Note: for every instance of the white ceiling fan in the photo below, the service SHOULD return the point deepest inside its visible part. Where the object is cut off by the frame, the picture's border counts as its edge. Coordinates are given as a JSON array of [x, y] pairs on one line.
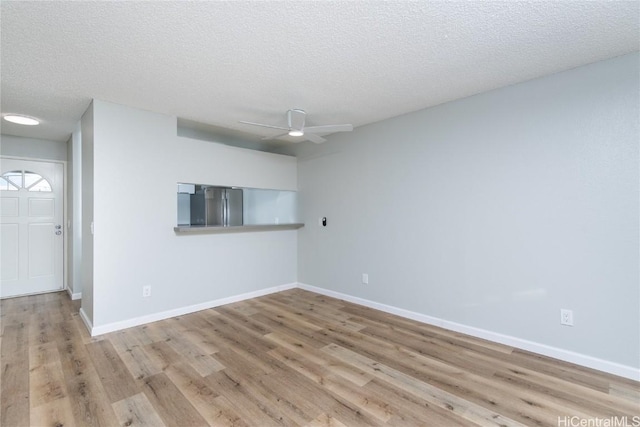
[[295, 122]]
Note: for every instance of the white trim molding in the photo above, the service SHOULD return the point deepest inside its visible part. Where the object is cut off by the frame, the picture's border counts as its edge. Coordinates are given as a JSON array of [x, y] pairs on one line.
[[543, 349], [85, 319], [74, 296], [136, 321]]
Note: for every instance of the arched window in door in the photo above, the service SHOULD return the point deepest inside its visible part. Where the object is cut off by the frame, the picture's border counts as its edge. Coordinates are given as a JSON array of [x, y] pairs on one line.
[[16, 180]]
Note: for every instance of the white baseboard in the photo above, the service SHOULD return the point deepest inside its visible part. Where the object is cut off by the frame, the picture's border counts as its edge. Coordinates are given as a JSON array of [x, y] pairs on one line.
[[543, 349], [136, 321], [74, 296]]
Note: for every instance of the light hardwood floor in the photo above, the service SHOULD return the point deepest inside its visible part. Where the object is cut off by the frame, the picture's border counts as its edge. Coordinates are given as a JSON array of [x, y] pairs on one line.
[[292, 358]]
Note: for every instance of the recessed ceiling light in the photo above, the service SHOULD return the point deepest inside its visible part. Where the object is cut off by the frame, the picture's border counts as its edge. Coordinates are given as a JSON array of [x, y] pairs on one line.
[[294, 132], [21, 120]]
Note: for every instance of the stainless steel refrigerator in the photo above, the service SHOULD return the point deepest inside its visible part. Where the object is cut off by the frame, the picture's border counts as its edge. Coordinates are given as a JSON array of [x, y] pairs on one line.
[[221, 206]]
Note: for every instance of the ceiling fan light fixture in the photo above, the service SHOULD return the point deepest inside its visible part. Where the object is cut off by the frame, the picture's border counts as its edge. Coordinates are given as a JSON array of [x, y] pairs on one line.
[[21, 120], [295, 132]]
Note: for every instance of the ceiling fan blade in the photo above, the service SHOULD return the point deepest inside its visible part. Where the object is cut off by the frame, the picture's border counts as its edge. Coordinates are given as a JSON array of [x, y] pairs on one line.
[[314, 138], [329, 128], [263, 125]]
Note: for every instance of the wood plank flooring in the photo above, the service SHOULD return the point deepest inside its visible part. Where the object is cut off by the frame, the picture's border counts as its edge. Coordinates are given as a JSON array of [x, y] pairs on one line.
[[295, 359]]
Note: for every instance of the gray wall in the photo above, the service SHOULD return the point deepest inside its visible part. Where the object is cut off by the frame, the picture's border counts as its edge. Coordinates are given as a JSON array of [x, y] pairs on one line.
[[17, 146], [494, 211]]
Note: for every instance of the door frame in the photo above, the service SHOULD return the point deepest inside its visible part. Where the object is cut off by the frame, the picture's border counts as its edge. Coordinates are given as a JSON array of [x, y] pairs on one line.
[[65, 221]]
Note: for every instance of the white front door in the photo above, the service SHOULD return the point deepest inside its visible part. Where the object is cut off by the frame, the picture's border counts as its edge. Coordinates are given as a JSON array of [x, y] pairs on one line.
[[31, 227]]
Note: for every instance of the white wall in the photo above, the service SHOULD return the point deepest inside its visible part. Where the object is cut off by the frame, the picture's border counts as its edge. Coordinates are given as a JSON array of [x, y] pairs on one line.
[[87, 212], [32, 148], [74, 213], [138, 159], [269, 206], [494, 211], [69, 196]]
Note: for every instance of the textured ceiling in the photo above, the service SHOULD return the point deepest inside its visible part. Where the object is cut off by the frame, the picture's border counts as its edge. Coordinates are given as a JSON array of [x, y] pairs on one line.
[[357, 62]]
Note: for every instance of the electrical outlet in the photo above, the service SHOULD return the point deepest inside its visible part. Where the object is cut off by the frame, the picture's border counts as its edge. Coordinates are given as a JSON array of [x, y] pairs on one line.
[[365, 279], [566, 317], [146, 291]]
